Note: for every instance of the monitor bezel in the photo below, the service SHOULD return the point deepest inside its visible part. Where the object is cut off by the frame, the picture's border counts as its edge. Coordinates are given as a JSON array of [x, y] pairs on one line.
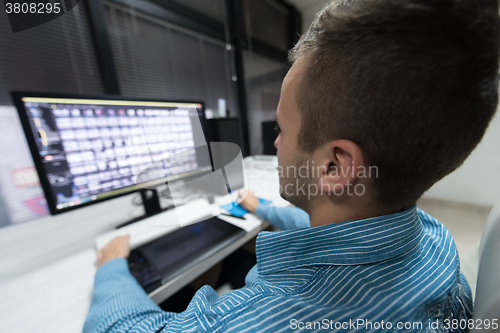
[[17, 97]]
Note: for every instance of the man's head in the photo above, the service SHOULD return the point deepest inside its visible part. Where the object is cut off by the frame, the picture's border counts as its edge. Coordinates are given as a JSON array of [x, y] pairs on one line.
[[410, 85]]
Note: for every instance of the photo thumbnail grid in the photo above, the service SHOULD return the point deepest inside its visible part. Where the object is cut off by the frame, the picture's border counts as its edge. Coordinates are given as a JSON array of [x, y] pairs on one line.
[[108, 149]]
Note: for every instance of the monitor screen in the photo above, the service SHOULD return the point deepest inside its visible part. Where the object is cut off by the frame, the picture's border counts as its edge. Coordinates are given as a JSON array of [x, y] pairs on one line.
[[91, 149], [226, 130]]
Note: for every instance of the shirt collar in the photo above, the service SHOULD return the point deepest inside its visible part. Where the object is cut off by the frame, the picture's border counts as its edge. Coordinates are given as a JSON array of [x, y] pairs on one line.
[[344, 243]]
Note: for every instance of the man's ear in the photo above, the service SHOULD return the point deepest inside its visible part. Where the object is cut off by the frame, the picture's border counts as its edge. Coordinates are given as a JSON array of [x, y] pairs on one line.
[[343, 159]]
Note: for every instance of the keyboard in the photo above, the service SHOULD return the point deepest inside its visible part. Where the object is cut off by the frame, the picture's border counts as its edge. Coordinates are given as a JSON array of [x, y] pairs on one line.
[[161, 260], [161, 224]]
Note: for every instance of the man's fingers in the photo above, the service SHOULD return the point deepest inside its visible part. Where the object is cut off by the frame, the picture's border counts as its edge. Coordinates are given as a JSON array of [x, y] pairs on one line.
[[118, 247], [119, 239]]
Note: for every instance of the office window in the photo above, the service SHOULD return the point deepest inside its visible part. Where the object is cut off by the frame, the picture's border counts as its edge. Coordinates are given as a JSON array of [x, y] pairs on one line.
[[58, 56], [215, 9], [156, 59], [267, 21], [263, 79]]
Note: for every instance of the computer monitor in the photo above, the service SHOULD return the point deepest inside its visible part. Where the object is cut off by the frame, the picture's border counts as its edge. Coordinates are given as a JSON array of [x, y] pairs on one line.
[[225, 157], [269, 136], [88, 149]]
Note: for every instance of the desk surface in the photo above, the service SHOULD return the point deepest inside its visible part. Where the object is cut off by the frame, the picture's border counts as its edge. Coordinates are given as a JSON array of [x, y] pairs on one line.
[[56, 298]]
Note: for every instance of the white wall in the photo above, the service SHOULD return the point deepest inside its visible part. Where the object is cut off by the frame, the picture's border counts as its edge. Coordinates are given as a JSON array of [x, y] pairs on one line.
[[308, 9], [309, 14], [477, 181]]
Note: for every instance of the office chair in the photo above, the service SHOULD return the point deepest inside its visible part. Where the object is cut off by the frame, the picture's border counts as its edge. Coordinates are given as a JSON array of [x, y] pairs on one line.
[[487, 302]]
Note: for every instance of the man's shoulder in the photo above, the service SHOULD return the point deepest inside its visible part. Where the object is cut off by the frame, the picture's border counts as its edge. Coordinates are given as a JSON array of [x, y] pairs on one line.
[[437, 246], [433, 226]]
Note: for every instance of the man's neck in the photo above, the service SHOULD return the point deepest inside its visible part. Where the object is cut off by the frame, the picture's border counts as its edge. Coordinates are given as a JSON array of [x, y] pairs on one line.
[[328, 212]]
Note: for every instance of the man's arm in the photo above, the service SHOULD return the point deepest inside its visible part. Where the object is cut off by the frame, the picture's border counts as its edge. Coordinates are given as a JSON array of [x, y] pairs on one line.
[[284, 218], [119, 304], [118, 301]]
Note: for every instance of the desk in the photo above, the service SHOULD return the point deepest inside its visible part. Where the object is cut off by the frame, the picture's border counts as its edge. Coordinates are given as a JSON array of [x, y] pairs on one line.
[[56, 298]]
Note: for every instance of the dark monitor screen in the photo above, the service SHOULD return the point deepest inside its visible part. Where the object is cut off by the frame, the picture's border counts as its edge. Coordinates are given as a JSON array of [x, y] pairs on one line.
[[226, 130], [91, 149]]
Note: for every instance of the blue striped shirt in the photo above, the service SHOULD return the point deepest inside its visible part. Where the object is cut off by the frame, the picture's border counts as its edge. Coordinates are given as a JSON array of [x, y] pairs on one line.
[[400, 270]]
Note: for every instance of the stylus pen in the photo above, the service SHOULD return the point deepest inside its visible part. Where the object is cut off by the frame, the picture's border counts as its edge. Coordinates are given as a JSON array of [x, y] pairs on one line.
[[238, 217]]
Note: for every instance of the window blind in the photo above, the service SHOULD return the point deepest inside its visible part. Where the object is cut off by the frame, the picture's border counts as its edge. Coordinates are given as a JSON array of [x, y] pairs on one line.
[[156, 59], [211, 8], [58, 56]]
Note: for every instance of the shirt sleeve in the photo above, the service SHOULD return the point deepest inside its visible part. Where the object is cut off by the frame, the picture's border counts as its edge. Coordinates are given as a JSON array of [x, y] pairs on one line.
[[284, 218], [119, 303], [462, 305]]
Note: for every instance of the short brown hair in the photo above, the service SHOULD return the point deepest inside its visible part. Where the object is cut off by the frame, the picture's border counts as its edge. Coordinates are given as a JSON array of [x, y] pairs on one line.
[[412, 82]]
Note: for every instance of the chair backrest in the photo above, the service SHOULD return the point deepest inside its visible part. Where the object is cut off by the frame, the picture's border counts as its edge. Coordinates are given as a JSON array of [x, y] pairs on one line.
[[487, 302]]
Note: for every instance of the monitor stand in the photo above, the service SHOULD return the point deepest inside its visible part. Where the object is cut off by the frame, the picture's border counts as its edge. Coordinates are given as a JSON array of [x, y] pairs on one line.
[[151, 203]]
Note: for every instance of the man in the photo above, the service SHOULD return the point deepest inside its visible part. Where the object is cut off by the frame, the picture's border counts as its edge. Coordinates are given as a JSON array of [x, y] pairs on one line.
[[404, 88]]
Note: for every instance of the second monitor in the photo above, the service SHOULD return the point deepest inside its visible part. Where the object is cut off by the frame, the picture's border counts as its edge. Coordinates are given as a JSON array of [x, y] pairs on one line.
[[89, 149]]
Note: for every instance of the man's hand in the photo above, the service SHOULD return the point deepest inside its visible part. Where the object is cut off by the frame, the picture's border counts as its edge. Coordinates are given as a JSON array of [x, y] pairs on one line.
[[248, 201], [116, 248]]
